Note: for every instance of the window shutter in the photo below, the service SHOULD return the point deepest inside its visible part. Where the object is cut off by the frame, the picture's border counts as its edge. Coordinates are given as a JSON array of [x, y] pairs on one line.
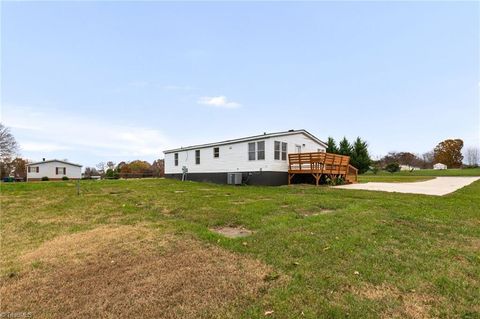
[[38, 169], [56, 170], [64, 171], [28, 169]]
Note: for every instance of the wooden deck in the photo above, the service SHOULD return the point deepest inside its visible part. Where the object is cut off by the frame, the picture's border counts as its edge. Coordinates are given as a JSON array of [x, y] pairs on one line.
[[320, 163]]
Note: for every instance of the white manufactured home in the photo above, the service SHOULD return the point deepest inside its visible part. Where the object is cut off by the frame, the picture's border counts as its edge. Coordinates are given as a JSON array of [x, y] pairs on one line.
[[439, 166], [254, 160], [53, 169]]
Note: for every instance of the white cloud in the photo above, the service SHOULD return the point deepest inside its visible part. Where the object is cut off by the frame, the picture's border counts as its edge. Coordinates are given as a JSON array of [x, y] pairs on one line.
[[218, 101], [53, 131]]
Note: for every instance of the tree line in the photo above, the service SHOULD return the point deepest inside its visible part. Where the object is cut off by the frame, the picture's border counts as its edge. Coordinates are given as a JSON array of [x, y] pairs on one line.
[[448, 152], [132, 169]]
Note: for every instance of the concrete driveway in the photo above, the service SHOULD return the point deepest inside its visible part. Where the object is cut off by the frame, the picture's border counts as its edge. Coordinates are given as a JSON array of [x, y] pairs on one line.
[[438, 186]]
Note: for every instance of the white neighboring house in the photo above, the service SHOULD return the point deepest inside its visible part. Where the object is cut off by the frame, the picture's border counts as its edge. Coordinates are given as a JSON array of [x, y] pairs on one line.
[[53, 169], [439, 166], [259, 160], [409, 168]]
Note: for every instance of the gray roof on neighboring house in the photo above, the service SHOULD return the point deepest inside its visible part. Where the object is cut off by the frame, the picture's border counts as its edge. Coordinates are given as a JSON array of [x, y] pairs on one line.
[[54, 160], [246, 139]]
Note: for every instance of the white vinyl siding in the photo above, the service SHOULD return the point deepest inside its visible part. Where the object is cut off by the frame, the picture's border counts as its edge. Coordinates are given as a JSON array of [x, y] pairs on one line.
[[241, 156], [53, 170]]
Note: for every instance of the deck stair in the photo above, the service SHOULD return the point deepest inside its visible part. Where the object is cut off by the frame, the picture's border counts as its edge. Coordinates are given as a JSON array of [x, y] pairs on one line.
[[320, 163]]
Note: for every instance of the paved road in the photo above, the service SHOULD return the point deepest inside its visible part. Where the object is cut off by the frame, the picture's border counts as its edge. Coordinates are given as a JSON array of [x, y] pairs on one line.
[[438, 186]]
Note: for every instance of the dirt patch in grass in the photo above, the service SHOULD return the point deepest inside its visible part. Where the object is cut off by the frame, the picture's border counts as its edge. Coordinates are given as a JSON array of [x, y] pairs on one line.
[[410, 304], [128, 272], [232, 232]]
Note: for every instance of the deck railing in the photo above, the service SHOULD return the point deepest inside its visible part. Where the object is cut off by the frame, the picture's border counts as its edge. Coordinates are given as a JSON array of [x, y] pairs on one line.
[[321, 163]]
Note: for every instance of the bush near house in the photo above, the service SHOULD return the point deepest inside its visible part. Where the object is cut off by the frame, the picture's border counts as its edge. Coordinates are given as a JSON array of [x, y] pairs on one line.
[[392, 167], [45, 178]]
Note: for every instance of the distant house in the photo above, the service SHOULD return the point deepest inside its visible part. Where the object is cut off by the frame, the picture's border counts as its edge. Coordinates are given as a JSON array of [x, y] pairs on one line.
[[260, 159], [53, 169], [439, 166], [408, 168]]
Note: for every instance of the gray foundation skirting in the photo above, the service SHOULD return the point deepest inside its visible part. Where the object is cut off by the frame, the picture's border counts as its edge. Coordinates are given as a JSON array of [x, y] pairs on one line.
[[249, 178]]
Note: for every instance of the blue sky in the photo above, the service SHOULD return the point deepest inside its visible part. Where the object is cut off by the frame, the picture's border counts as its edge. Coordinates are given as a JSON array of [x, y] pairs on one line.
[[98, 81]]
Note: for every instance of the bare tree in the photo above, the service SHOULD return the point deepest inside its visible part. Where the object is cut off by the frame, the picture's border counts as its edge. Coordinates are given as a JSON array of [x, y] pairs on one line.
[[473, 155], [90, 171], [101, 168], [8, 144], [428, 159]]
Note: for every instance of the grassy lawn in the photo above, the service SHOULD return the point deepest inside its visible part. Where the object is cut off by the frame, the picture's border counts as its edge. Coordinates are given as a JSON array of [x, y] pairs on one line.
[[314, 252]]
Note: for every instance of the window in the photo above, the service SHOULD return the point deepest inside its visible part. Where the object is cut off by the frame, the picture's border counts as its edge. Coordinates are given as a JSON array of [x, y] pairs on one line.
[[261, 150], [60, 170], [284, 151], [251, 151], [33, 169], [197, 157], [280, 150], [176, 159], [276, 150], [216, 152]]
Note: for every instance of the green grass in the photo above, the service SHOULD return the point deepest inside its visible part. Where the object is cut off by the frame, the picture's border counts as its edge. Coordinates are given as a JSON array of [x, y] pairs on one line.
[[432, 172], [425, 249]]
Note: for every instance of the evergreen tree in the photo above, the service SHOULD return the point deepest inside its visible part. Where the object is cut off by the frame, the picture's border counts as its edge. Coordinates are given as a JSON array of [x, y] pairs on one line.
[[359, 156], [344, 147], [332, 146]]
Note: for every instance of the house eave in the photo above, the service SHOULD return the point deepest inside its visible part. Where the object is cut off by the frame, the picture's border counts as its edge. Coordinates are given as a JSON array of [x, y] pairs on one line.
[[247, 139], [54, 160]]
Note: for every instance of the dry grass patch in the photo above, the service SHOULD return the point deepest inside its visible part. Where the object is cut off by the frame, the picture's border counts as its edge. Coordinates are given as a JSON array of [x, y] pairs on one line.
[[232, 232], [127, 272], [411, 304], [316, 212]]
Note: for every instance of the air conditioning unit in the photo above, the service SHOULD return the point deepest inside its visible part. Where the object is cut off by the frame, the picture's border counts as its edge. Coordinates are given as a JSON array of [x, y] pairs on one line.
[[234, 178]]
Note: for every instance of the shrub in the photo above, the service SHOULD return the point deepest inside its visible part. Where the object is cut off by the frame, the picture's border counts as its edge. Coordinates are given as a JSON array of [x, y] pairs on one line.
[[392, 167], [112, 174], [45, 178], [65, 178], [334, 181]]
